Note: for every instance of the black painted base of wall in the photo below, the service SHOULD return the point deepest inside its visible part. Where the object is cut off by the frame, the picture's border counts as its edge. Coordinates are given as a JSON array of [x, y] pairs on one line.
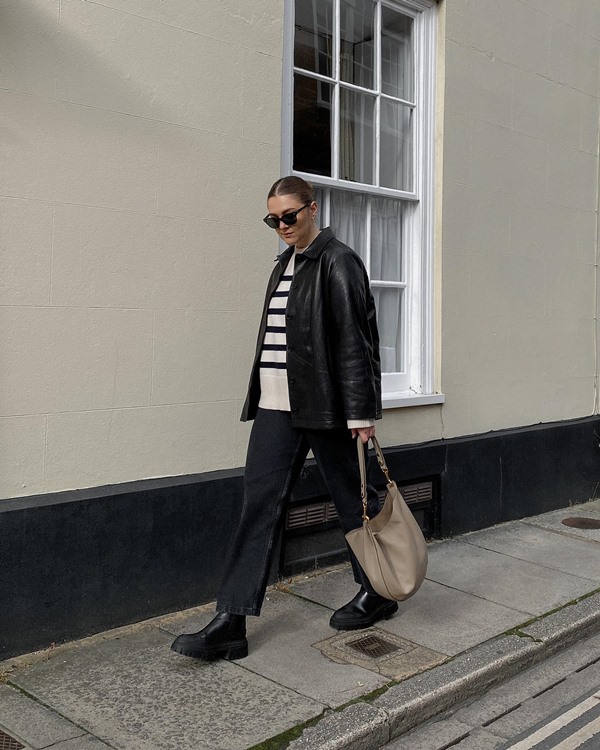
[[80, 562]]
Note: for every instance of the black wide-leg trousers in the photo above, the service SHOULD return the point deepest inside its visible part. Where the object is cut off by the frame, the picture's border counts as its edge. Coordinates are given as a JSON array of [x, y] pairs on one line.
[[276, 455]]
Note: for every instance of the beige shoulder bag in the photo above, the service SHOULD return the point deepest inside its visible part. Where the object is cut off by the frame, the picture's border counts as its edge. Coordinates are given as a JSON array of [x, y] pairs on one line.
[[390, 547]]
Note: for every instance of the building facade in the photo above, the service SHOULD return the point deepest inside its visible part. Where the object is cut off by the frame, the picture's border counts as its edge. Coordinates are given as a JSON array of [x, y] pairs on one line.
[[454, 144]]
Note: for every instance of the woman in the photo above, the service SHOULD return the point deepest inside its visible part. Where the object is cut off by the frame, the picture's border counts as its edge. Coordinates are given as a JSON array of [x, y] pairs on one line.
[[315, 384]]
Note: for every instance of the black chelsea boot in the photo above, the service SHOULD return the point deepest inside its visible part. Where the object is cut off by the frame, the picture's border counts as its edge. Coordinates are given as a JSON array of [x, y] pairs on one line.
[[224, 637], [363, 611]]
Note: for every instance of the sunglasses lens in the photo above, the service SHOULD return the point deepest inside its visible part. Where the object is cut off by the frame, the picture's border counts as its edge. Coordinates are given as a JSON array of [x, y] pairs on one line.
[[288, 219]]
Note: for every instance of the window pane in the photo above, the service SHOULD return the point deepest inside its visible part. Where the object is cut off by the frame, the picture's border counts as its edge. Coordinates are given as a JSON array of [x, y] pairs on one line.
[[386, 239], [313, 36], [348, 220], [356, 136], [322, 218], [388, 303], [312, 125], [396, 54], [395, 169], [356, 42]]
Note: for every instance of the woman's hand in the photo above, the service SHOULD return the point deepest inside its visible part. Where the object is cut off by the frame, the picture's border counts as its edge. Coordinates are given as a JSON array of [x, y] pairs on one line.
[[364, 432]]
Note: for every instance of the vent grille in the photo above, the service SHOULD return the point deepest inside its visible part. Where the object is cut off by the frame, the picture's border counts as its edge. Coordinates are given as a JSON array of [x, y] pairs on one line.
[[373, 646], [418, 493], [9, 743], [311, 515], [315, 514]]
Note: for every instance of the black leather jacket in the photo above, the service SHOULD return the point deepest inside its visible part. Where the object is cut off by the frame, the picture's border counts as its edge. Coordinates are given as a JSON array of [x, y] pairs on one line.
[[333, 367]]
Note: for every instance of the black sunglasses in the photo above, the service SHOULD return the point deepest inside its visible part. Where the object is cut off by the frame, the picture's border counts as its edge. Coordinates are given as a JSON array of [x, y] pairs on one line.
[[288, 219]]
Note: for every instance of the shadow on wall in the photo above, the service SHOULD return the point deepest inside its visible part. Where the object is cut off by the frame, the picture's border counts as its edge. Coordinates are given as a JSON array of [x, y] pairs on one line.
[[89, 54], [41, 54]]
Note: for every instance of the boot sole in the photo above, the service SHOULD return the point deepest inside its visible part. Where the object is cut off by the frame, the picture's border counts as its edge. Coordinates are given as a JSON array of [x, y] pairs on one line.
[[229, 651], [388, 612]]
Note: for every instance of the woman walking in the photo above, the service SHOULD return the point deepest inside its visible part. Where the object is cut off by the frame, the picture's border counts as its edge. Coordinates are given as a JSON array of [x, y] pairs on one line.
[[315, 385]]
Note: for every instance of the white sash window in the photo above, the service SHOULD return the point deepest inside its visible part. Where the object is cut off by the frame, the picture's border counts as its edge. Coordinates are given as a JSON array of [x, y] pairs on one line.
[[358, 123]]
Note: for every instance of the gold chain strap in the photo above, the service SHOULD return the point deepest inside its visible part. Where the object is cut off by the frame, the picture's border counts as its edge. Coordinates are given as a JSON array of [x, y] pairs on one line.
[[363, 469]]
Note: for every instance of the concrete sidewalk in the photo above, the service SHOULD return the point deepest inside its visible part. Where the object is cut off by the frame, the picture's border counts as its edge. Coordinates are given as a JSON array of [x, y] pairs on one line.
[[494, 602]]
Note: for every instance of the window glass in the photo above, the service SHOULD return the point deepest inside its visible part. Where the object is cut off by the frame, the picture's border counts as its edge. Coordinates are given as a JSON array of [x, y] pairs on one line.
[[348, 220], [357, 49], [388, 303], [355, 125], [386, 239], [313, 36], [312, 125], [396, 146], [396, 54], [356, 136]]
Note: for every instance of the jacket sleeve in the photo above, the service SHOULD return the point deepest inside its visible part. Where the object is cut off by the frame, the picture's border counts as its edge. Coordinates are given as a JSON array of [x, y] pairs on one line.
[[354, 340]]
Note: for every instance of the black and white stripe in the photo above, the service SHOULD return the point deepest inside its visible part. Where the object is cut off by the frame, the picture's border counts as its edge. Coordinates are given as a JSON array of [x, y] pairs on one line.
[[273, 354], [274, 392]]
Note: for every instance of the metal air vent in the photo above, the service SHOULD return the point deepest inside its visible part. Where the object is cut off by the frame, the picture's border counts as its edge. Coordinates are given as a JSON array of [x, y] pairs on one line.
[[310, 515], [418, 493], [9, 743], [373, 646], [302, 516]]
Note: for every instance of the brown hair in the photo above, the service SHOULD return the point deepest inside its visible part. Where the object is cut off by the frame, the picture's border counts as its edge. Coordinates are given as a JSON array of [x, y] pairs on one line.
[[295, 186]]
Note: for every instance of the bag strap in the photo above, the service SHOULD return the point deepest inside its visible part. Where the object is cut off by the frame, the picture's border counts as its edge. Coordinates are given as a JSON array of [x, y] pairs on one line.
[[363, 469]]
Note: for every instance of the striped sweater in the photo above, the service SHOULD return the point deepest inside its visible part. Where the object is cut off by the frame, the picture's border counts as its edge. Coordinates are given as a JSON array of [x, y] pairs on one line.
[[274, 392]]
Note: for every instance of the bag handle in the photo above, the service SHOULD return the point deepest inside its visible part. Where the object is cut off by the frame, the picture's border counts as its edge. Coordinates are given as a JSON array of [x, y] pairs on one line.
[[363, 469]]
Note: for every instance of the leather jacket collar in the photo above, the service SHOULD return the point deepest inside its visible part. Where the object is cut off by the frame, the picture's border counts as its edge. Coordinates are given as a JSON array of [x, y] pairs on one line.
[[313, 250]]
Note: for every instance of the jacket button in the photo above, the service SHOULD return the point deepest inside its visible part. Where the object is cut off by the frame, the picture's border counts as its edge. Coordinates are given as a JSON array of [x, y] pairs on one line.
[[291, 381], [295, 410], [289, 316], [294, 286], [290, 348]]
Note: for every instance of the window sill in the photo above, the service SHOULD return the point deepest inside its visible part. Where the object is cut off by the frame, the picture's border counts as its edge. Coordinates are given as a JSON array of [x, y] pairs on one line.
[[394, 400]]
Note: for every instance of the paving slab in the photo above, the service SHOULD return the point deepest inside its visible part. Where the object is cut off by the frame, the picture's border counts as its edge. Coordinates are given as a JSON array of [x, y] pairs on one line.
[[86, 742], [451, 621], [31, 722], [437, 617], [136, 694], [290, 625], [553, 521], [331, 589], [502, 579], [589, 505], [541, 546]]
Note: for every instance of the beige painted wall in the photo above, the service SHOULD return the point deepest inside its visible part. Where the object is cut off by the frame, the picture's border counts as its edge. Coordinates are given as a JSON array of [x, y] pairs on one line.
[[517, 242], [138, 140], [520, 196]]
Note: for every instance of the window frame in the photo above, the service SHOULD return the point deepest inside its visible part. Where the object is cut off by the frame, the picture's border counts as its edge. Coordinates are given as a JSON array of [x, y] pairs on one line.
[[419, 278]]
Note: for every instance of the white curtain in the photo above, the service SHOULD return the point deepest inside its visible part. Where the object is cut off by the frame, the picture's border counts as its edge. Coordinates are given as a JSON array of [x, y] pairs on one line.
[[388, 303], [348, 219], [386, 239]]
